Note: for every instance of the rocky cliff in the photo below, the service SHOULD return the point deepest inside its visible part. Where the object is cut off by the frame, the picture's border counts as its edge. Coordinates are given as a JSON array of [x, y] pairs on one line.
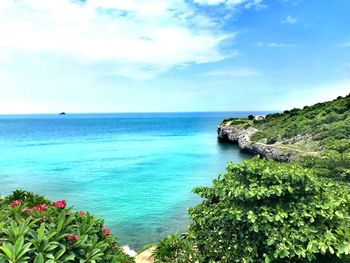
[[241, 136]]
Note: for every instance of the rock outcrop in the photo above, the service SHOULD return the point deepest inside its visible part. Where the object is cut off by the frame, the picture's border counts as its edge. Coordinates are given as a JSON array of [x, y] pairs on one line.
[[241, 136]]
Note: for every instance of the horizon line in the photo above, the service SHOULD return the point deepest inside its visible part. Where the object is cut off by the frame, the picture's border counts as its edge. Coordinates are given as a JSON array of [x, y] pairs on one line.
[[135, 112]]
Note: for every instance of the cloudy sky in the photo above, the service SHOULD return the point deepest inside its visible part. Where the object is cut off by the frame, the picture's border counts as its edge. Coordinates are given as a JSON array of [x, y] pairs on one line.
[[174, 55]]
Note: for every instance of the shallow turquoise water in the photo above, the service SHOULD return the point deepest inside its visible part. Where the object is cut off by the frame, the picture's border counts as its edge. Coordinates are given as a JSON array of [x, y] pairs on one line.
[[134, 170]]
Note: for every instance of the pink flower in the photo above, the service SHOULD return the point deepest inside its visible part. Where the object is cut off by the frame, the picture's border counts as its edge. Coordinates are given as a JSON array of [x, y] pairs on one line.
[[71, 237], [40, 208], [106, 232], [60, 203], [81, 213], [15, 203]]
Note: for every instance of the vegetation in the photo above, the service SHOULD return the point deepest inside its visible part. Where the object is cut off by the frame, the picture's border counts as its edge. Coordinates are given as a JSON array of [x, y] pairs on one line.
[[238, 122], [267, 211], [334, 161], [251, 117], [174, 249], [322, 121], [33, 229]]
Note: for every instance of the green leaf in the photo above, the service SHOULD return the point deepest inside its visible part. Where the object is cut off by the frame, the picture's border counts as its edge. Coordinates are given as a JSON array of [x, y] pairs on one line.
[[18, 245], [339, 214], [39, 258], [7, 251]]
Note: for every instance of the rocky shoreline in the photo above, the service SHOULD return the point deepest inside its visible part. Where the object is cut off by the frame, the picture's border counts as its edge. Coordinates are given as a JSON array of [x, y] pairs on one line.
[[241, 136]]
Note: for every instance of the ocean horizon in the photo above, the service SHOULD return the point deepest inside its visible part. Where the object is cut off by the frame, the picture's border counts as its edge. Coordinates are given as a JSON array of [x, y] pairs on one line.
[[134, 170]]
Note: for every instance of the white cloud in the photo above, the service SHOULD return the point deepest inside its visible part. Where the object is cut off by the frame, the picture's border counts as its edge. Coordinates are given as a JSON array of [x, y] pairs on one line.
[[4, 78], [274, 45], [290, 20], [240, 72], [210, 2], [234, 3], [148, 36]]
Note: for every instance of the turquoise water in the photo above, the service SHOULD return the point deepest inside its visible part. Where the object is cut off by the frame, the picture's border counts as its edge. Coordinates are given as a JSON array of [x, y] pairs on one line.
[[134, 170]]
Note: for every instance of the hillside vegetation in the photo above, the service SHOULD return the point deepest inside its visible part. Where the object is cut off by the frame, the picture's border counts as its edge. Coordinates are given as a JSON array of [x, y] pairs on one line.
[[321, 122]]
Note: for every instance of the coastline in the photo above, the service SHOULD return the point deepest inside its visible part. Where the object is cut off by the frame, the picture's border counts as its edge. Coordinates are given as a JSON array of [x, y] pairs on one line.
[[241, 137]]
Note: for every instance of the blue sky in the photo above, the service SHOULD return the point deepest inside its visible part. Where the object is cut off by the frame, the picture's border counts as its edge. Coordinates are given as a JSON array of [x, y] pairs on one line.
[[178, 55]]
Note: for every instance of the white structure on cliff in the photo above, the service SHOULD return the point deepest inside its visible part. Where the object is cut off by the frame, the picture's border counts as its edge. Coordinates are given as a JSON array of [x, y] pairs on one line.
[[259, 117]]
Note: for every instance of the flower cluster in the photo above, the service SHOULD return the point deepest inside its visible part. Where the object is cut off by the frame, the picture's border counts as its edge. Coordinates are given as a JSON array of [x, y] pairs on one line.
[[15, 203], [106, 232], [60, 203], [40, 207], [72, 237], [80, 233]]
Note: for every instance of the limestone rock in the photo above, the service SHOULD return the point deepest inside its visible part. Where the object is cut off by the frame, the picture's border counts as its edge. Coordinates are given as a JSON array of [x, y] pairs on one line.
[[242, 136]]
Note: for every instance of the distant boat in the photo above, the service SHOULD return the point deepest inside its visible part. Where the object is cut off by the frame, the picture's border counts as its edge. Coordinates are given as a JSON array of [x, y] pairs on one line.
[[62, 113]]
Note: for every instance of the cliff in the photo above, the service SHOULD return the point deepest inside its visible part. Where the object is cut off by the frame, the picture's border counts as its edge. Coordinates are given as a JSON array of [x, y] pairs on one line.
[[287, 135], [241, 136]]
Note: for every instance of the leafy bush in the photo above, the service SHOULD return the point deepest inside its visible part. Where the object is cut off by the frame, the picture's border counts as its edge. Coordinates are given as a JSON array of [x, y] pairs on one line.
[[265, 211], [334, 162], [33, 229], [271, 140], [174, 249]]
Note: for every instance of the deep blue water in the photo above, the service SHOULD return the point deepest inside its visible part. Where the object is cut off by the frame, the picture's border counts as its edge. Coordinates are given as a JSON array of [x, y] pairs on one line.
[[134, 170]]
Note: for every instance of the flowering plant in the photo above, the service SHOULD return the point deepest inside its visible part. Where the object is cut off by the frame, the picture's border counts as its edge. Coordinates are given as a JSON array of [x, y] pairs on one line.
[[33, 229]]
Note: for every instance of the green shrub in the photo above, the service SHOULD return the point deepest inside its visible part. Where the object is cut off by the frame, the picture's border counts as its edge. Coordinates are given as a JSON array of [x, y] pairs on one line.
[[33, 229], [265, 211], [334, 162], [174, 249], [271, 140]]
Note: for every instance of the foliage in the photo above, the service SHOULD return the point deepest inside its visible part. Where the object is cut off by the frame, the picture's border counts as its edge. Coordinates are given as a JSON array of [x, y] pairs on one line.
[[32, 229], [174, 249], [333, 163], [322, 121], [238, 122], [265, 211], [271, 140]]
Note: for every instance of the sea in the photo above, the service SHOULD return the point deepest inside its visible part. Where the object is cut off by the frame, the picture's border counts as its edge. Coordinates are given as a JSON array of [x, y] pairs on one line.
[[134, 170]]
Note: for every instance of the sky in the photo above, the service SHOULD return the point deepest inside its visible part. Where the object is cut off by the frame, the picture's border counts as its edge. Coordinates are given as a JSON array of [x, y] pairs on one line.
[[174, 55]]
